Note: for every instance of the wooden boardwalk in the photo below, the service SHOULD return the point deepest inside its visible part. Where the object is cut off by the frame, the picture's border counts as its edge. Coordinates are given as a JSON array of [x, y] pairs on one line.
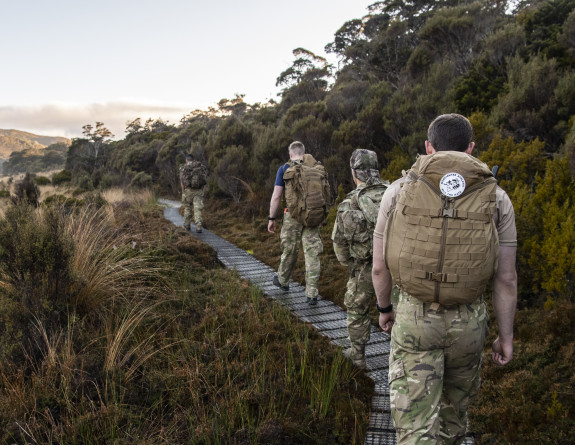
[[328, 318]]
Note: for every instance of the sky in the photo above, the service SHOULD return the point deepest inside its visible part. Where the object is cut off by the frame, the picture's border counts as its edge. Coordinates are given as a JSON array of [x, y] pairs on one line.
[[68, 63]]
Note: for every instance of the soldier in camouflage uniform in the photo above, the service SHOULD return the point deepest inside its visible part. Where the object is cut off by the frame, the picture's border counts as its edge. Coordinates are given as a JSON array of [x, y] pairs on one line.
[[192, 198], [436, 350], [352, 243], [292, 234]]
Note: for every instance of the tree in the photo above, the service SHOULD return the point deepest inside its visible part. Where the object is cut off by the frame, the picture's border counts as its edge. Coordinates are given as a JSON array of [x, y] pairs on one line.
[[305, 80], [232, 178], [97, 137], [453, 33]]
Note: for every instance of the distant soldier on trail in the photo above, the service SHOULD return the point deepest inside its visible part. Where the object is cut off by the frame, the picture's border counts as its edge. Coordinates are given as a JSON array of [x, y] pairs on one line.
[[193, 176], [353, 246], [307, 197]]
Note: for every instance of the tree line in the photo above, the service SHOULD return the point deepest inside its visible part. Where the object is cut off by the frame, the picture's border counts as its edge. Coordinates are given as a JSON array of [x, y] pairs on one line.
[[507, 65]]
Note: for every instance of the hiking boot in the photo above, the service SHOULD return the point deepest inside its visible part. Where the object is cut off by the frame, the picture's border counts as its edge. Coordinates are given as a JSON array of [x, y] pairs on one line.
[[312, 301], [356, 357], [187, 227], [198, 229], [278, 284]]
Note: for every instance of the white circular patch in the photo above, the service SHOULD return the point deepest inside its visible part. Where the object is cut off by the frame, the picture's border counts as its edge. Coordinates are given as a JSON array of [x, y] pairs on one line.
[[452, 185]]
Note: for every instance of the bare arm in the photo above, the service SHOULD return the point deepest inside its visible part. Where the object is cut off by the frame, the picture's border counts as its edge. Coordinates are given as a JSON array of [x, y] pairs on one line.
[[382, 284], [504, 303], [274, 206]]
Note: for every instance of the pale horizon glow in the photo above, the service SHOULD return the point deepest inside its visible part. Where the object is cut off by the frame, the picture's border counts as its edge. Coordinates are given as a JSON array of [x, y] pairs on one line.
[[68, 63]]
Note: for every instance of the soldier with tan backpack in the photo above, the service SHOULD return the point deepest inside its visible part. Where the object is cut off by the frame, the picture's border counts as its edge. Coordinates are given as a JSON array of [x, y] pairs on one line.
[[308, 198], [444, 232]]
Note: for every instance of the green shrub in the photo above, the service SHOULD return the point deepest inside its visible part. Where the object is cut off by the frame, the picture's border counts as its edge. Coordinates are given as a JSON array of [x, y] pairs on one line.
[[62, 201], [35, 273], [141, 180], [62, 177], [25, 191], [84, 182], [4, 193], [42, 180]]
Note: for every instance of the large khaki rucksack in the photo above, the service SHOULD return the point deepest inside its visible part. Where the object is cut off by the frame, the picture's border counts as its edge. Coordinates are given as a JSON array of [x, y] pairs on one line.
[[442, 246], [356, 218], [194, 174], [307, 191]]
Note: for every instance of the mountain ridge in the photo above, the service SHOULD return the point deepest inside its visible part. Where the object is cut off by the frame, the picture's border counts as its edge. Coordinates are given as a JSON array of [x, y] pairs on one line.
[[16, 140]]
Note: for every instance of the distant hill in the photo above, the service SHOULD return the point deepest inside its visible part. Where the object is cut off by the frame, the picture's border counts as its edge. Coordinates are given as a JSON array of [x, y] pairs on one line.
[[15, 140]]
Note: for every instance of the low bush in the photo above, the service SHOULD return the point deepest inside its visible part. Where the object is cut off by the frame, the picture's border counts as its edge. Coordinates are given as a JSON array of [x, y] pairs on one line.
[[62, 177], [42, 180], [26, 191]]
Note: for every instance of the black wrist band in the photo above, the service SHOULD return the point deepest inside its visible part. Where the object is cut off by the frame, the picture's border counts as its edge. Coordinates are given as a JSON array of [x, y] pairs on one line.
[[384, 310], [271, 219]]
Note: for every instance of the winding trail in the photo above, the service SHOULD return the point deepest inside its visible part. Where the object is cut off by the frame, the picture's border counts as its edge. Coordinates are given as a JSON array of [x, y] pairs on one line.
[[329, 320]]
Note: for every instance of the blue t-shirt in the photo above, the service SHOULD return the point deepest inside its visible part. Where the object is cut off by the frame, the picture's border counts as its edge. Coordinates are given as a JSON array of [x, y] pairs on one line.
[[280, 175]]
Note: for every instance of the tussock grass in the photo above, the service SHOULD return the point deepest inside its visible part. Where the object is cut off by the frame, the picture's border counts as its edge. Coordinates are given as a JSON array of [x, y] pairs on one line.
[[106, 264], [158, 344]]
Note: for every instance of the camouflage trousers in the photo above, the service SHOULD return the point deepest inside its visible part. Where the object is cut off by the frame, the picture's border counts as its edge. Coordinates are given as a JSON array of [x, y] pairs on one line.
[[359, 297], [193, 201], [434, 368], [292, 234]]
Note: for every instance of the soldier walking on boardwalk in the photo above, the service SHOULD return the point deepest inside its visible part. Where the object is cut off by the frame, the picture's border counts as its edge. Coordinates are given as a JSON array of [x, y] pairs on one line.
[[352, 243], [193, 175], [444, 232], [307, 196]]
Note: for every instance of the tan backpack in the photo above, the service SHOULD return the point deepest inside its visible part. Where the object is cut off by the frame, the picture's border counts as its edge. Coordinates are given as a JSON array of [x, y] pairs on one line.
[[441, 240], [307, 191]]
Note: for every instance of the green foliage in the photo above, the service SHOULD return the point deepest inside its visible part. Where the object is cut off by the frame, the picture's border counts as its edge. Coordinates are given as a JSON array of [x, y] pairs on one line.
[[543, 26], [62, 177], [35, 272], [478, 89], [26, 191], [141, 180], [526, 108], [397, 161], [42, 180], [36, 160], [519, 163], [329, 222]]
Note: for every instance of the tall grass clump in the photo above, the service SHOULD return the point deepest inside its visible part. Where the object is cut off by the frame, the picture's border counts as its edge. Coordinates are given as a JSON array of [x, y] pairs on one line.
[[105, 264], [141, 352]]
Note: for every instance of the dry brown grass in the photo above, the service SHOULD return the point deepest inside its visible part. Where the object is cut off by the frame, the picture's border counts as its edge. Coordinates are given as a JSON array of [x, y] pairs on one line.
[[212, 362]]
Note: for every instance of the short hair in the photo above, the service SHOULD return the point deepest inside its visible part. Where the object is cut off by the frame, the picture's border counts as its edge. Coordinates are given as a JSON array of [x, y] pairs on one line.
[[451, 132], [189, 158], [297, 148]]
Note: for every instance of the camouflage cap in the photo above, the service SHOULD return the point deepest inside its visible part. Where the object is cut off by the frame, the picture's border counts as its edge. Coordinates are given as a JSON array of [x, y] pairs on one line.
[[364, 163], [362, 159]]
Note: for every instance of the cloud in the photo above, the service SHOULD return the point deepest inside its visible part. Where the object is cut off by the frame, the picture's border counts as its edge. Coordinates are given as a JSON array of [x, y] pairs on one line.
[[67, 120]]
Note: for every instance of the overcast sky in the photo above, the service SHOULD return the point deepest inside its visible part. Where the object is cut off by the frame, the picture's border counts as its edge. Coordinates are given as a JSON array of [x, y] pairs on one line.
[[67, 63]]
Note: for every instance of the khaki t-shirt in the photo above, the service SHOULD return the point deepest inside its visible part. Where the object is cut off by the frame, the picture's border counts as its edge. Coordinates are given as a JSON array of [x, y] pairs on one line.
[[504, 216]]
